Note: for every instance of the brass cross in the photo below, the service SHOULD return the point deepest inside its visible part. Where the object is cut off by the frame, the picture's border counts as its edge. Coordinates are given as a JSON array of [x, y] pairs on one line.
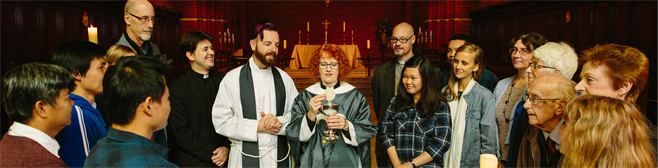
[[326, 24]]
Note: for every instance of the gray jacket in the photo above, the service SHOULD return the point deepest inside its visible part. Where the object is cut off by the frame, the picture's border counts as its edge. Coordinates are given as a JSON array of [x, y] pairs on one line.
[[481, 126], [498, 93], [124, 41]]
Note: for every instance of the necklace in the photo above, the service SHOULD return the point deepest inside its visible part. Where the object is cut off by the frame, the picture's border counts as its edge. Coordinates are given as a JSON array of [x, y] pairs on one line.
[[509, 95]]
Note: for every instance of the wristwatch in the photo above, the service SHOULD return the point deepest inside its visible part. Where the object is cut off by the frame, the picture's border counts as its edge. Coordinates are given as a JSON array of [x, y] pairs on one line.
[[413, 164]]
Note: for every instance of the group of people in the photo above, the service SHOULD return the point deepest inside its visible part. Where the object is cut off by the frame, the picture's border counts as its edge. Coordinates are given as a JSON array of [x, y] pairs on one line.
[[109, 108]]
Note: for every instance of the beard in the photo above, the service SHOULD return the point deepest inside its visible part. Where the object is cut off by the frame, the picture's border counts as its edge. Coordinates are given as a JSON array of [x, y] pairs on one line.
[[263, 59], [146, 36]]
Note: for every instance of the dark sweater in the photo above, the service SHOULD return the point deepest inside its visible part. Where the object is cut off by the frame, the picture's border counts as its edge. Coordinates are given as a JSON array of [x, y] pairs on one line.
[[24, 152]]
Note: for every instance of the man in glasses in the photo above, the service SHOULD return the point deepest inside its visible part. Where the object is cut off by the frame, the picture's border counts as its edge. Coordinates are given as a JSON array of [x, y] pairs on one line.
[[546, 99], [387, 77], [488, 79], [140, 18]]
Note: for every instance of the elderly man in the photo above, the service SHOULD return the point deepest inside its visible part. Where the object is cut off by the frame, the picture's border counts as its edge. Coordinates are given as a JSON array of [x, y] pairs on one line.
[[488, 79], [36, 98], [140, 18], [546, 98], [550, 58], [387, 77]]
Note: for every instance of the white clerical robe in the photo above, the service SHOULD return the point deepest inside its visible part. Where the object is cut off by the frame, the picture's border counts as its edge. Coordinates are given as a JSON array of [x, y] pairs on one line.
[[227, 113]]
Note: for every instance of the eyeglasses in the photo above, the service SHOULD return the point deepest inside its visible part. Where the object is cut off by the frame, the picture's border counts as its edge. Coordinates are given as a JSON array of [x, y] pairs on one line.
[[535, 66], [395, 40], [535, 100], [146, 19], [522, 51], [324, 65]]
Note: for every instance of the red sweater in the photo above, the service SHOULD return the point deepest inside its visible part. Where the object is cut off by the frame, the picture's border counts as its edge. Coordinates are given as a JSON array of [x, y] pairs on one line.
[[24, 152]]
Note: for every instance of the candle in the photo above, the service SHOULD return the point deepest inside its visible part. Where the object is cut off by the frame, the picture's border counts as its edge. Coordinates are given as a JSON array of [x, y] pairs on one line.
[[352, 32], [284, 44], [307, 25], [93, 34], [368, 44], [488, 161], [343, 26], [419, 30]]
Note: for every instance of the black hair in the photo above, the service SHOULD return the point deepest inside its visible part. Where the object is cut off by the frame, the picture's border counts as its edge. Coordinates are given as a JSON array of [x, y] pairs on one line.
[[431, 96], [260, 27], [129, 82], [76, 56], [191, 39], [466, 38], [26, 84]]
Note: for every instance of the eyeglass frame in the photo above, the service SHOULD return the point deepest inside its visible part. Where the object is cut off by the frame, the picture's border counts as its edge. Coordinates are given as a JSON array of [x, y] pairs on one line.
[[536, 100], [141, 19], [333, 65], [514, 50], [537, 65], [401, 40]]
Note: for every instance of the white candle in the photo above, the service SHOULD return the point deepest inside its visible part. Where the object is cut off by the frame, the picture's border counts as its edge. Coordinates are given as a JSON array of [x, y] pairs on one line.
[[368, 44], [93, 34], [227, 30], [343, 26], [307, 25], [284, 44]]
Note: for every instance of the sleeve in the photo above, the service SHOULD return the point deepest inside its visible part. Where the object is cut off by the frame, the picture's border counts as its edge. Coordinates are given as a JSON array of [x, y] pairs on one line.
[[227, 114], [488, 127], [292, 92], [295, 127], [388, 130], [440, 143], [184, 137], [375, 92], [361, 128]]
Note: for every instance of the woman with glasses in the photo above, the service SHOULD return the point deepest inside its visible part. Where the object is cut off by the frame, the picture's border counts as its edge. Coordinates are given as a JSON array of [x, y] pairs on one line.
[[309, 123], [417, 127], [472, 110], [553, 58], [508, 91]]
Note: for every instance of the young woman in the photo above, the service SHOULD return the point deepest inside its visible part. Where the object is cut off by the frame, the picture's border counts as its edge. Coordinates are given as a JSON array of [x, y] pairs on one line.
[[417, 128], [605, 132], [472, 109], [351, 124]]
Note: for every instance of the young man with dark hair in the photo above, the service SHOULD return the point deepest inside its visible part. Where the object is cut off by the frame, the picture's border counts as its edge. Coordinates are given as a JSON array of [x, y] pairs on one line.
[[192, 97], [84, 60], [36, 98], [137, 92], [253, 105], [488, 78]]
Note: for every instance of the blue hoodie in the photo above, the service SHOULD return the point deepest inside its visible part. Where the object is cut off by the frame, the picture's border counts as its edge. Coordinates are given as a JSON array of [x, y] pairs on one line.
[[87, 127]]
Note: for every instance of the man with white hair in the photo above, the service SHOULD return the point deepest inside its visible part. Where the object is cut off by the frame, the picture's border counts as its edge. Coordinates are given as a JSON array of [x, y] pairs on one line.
[[139, 16], [551, 58]]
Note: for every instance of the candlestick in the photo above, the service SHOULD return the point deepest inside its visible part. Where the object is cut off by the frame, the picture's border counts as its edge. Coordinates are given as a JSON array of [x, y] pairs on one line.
[[307, 27], [284, 44], [368, 44], [343, 26], [325, 37], [93, 34]]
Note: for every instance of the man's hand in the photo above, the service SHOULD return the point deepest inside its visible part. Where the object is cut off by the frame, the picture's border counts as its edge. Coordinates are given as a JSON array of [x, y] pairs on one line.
[[269, 124], [405, 165], [219, 156]]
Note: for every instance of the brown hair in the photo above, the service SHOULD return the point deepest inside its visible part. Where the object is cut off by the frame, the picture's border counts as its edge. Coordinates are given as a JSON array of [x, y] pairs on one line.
[[606, 132], [627, 63], [530, 40], [117, 51], [479, 59], [329, 51]]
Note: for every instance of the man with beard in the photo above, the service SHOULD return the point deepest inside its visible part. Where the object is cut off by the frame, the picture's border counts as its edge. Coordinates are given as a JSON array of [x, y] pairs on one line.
[[192, 97], [387, 77], [139, 16], [252, 107]]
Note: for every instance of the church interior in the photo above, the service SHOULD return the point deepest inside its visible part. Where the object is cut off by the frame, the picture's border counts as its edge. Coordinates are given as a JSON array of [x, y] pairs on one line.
[[32, 31]]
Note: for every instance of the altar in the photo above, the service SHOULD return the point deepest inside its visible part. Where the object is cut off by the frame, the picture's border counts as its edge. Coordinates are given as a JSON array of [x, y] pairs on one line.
[[302, 54]]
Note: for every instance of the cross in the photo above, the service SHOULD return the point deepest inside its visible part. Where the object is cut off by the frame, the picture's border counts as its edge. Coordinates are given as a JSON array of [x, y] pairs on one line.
[[326, 24]]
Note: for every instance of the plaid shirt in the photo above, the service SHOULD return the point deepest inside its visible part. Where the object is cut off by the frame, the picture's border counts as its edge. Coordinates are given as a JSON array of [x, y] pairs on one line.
[[412, 135], [126, 149]]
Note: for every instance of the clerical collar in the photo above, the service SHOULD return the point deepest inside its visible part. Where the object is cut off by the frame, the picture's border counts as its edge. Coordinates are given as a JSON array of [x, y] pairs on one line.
[[140, 51], [198, 75], [402, 62], [325, 87]]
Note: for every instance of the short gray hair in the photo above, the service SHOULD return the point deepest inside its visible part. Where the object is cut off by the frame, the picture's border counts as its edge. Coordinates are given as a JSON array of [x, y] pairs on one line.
[[560, 56]]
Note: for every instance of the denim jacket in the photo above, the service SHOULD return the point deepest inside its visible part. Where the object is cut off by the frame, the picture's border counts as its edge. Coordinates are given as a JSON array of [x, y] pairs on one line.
[[481, 126], [498, 93]]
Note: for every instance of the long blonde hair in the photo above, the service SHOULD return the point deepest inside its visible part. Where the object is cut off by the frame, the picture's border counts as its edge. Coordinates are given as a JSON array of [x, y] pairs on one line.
[[479, 59], [606, 132]]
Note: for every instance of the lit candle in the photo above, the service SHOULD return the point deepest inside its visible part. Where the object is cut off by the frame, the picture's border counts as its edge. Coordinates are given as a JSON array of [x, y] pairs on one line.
[[227, 30], [488, 161], [93, 34], [368, 44], [352, 32], [307, 25], [419, 30], [343, 26], [284, 44]]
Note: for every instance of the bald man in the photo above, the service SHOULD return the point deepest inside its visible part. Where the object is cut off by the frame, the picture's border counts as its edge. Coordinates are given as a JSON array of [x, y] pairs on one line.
[[139, 16], [546, 99], [386, 78]]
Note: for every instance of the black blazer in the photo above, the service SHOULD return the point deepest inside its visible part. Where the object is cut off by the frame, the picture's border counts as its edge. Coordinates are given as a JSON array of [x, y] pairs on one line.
[[190, 122], [383, 88]]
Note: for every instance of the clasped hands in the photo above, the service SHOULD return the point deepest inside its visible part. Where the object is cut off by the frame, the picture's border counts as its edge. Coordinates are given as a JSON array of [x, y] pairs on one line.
[[268, 123], [334, 121]]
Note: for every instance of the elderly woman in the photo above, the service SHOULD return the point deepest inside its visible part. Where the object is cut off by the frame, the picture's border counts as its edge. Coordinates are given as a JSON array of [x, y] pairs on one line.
[[605, 132], [508, 91], [352, 124]]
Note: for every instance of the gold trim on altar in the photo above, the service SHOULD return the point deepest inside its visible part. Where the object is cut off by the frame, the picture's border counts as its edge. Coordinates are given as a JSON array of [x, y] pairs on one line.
[[447, 19], [203, 19]]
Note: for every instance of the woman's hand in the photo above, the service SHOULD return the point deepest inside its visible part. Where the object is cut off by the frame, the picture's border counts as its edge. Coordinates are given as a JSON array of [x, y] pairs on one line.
[[315, 104], [337, 122]]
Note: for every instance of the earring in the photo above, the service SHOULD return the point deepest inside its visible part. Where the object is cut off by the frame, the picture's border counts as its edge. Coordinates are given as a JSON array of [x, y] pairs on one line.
[[619, 95]]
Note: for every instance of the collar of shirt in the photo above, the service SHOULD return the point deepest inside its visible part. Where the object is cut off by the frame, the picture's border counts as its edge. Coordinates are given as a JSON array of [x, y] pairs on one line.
[[132, 138], [555, 134], [255, 68], [201, 76], [22, 130], [145, 45]]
